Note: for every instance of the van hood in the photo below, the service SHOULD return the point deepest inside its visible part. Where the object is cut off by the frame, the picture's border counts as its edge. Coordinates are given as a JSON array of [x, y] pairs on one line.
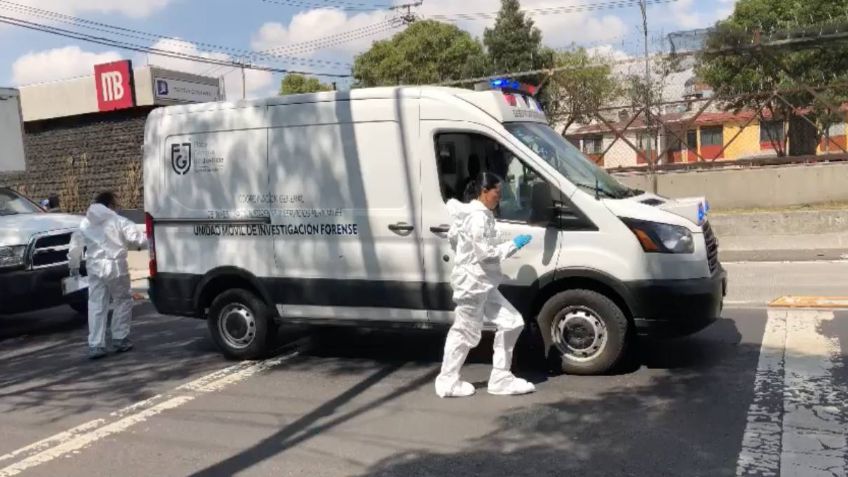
[[690, 212], [19, 229]]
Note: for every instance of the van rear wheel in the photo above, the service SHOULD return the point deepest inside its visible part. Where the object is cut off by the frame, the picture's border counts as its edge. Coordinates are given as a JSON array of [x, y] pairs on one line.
[[588, 332], [240, 324]]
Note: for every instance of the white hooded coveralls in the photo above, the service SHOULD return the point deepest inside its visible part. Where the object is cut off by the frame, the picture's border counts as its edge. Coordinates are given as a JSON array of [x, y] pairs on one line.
[[475, 279], [106, 237]]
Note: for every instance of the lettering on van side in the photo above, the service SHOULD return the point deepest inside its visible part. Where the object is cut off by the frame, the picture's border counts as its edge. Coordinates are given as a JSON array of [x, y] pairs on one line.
[[280, 213], [261, 230], [198, 156], [271, 199]]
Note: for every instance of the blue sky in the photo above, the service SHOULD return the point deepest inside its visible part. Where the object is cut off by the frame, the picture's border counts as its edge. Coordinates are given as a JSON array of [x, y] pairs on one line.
[[31, 57]]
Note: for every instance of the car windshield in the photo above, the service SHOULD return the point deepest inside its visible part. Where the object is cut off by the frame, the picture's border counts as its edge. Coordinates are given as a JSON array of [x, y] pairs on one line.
[[568, 160], [14, 204]]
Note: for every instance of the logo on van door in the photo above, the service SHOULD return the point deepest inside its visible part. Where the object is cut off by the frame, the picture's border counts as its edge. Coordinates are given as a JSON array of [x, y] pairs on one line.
[[181, 158]]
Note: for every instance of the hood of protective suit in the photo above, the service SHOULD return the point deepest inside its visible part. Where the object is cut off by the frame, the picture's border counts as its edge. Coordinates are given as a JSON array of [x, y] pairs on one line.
[[98, 214]]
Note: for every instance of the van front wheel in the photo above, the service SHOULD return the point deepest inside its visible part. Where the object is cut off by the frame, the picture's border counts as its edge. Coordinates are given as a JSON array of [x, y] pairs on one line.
[[588, 332], [240, 324]]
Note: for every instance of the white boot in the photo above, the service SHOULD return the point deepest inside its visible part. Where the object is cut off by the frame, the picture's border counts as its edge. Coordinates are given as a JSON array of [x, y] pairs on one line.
[[504, 383], [458, 389]]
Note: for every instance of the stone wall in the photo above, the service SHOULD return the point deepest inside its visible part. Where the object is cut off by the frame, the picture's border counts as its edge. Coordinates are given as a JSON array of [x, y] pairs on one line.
[[80, 156]]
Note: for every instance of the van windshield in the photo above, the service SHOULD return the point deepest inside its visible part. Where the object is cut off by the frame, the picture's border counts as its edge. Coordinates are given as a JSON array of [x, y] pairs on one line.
[[568, 160]]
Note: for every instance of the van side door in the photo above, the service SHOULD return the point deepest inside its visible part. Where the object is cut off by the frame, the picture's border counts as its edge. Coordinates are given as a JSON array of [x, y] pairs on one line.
[[452, 154], [344, 196]]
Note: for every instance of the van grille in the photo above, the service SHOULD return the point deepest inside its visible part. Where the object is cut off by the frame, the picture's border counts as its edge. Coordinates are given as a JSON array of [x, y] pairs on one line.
[[50, 250], [712, 246]]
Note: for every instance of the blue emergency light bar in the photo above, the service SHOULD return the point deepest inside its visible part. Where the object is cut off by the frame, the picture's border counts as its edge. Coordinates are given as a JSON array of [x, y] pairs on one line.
[[508, 85], [503, 83]]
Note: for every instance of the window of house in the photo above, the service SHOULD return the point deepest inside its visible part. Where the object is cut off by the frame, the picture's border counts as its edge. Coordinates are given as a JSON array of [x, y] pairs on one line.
[[475, 153], [692, 140], [593, 144], [712, 136], [772, 132]]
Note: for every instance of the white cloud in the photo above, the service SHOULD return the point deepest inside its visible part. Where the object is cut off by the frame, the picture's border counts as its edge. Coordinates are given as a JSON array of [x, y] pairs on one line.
[[685, 15], [57, 64], [321, 23], [131, 8], [258, 83], [608, 52]]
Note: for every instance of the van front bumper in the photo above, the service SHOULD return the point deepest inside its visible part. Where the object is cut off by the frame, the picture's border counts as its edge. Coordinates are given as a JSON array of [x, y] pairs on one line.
[[670, 308]]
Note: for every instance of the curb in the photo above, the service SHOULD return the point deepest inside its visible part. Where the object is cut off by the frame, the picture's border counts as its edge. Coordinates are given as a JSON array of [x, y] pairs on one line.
[[810, 302]]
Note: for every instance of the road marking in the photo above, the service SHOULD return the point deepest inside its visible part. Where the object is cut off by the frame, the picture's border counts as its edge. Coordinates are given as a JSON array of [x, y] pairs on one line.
[[795, 424], [86, 434], [760, 453], [813, 433], [81, 441], [810, 302]]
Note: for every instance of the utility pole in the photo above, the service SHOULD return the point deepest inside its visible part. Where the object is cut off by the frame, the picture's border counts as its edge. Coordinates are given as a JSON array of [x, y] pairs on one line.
[[408, 16], [652, 166], [243, 82]]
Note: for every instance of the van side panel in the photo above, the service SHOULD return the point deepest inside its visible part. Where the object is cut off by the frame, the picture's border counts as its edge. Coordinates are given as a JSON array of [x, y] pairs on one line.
[[211, 165], [341, 189]]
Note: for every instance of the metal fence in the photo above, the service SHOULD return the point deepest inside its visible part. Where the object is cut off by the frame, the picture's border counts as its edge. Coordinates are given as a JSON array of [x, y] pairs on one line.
[[670, 116]]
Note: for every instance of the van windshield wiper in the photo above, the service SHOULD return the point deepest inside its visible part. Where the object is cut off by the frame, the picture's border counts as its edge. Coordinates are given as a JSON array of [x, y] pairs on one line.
[[595, 189]]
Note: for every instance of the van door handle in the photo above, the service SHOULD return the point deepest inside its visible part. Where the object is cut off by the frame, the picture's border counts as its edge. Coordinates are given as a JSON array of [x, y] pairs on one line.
[[401, 227], [441, 229]]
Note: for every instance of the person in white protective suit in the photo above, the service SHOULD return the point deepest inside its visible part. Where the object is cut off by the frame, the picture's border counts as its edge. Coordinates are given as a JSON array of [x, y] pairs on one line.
[[106, 238], [475, 279]]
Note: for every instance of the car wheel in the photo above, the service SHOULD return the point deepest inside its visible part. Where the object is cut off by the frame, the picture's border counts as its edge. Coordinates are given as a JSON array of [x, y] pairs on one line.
[[588, 332], [240, 324]]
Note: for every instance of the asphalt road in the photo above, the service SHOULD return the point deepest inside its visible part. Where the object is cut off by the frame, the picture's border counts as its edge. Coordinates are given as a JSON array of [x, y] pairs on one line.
[[354, 403]]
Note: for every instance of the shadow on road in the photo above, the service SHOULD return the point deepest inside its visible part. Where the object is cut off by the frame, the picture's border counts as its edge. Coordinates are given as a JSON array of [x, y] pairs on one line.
[[615, 432], [45, 368]]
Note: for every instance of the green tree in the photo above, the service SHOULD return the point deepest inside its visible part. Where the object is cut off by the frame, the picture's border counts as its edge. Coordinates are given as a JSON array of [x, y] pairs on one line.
[[748, 76], [514, 44], [575, 94], [294, 83], [425, 53]]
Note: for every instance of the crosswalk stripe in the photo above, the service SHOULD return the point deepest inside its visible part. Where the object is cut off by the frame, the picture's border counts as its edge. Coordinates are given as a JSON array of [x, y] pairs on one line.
[[760, 453], [795, 424]]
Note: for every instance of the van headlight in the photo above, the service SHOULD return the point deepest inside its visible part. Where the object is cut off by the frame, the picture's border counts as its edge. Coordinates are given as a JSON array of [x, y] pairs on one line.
[[662, 238], [12, 256]]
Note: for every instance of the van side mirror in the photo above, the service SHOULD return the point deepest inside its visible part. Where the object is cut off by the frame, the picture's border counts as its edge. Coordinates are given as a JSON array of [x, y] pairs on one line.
[[543, 204]]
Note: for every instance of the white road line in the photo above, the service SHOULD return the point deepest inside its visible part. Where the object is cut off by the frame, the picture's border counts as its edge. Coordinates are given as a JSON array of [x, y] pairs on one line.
[[760, 453], [86, 434], [813, 432], [78, 442], [796, 425]]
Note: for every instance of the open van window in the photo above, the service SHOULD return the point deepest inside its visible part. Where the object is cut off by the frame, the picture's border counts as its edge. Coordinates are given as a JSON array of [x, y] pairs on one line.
[[464, 155], [567, 159]]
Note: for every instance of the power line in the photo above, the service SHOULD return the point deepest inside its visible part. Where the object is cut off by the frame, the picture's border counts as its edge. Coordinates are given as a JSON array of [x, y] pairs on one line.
[[338, 38], [338, 5], [175, 42], [825, 39], [586, 7], [150, 50]]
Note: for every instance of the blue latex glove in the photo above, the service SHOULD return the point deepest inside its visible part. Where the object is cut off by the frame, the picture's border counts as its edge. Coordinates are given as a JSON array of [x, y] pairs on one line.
[[521, 241]]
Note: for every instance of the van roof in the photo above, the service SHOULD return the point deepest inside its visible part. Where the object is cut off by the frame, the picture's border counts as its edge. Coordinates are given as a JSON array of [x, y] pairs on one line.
[[492, 102]]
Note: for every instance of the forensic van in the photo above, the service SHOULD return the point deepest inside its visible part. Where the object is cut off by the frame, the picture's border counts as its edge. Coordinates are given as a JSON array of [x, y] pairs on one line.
[[330, 208]]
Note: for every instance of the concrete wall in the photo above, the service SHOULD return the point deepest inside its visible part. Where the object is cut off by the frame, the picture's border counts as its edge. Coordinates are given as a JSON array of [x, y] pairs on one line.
[[80, 156], [765, 187]]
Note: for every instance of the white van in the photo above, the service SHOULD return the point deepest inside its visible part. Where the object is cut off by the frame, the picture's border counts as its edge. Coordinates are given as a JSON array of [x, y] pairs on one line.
[[330, 208]]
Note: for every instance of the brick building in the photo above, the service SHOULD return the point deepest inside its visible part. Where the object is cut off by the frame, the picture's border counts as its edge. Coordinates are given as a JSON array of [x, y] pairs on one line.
[[86, 134]]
